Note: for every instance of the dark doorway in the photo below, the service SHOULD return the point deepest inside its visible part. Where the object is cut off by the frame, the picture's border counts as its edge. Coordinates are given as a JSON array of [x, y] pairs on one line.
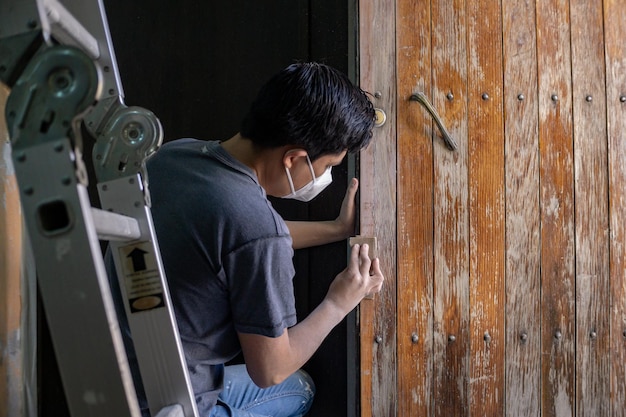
[[197, 65]]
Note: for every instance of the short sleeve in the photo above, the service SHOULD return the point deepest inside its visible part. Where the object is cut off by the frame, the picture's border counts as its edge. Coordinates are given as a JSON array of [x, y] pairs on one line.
[[260, 280]]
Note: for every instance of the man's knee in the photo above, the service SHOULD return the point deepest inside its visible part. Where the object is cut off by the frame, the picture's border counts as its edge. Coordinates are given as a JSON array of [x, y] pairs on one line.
[[306, 381], [307, 386]]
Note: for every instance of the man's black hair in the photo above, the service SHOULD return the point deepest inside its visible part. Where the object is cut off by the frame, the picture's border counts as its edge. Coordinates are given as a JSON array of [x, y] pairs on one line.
[[311, 105]]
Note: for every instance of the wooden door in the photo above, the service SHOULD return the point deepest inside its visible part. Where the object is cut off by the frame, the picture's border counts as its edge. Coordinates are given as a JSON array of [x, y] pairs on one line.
[[11, 357], [505, 259]]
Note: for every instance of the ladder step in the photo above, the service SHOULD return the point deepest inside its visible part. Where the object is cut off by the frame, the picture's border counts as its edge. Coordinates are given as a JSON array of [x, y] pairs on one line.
[[113, 226], [172, 411]]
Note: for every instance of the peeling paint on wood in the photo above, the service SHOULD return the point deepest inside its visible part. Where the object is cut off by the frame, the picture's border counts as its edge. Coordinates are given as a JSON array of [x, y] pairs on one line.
[[486, 207], [511, 250], [378, 210], [557, 238], [591, 196], [523, 279], [415, 188], [451, 294], [615, 58], [11, 377]]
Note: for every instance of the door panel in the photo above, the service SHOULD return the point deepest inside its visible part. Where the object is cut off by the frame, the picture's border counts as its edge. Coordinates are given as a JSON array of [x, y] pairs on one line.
[[504, 259], [523, 270], [615, 47], [378, 209], [485, 161], [414, 218], [451, 285]]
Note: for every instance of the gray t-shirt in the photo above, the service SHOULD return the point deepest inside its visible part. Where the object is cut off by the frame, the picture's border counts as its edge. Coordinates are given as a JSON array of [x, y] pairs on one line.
[[227, 256]]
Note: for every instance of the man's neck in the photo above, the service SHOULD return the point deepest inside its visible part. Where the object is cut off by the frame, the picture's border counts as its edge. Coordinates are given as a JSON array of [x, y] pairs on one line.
[[264, 163], [242, 150]]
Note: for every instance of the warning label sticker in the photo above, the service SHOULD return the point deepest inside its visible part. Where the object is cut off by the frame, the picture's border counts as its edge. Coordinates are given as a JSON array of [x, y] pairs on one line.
[[141, 275]]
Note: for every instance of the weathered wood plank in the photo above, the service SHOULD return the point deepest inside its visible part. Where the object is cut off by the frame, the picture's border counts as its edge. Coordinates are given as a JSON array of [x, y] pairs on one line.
[[591, 214], [11, 337], [615, 47], [486, 208], [378, 209], [451, 230], [523, 273], [557, 208], [415, 212], [563, 349]]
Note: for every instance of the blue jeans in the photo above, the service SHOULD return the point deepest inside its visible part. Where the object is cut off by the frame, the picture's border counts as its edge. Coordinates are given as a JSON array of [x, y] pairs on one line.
[[242, 398]]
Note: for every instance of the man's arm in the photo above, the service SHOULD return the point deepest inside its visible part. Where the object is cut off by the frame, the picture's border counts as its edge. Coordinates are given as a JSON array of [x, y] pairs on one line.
[[307, 233], [270, 360]]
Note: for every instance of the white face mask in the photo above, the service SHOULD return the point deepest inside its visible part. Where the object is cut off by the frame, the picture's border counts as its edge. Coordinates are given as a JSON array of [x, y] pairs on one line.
[[313, 188]]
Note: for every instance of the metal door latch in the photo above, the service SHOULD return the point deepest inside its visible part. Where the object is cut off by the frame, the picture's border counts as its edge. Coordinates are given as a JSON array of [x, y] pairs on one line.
[[421, 98], [380, 117]]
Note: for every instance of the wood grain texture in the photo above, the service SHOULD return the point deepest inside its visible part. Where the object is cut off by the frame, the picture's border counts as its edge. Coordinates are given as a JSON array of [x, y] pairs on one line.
[[378, 209], [11, 337], [523, 234], [591, 214], [486, 207], [451, 228], [615, 50], [415, 211], [523, 255], [557, 209]]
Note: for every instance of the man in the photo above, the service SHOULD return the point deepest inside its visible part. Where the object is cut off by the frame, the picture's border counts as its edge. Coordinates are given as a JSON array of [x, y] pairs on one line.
[[228, 254]]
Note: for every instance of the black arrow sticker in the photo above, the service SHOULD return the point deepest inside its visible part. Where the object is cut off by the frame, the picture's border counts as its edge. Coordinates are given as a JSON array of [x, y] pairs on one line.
[[138, 256]]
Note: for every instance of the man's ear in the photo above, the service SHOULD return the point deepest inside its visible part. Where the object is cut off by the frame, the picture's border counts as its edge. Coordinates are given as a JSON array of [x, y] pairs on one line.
[[291, 155]]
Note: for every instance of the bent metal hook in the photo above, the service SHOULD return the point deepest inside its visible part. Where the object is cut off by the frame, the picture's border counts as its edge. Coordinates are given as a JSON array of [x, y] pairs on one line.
[[420, 97]]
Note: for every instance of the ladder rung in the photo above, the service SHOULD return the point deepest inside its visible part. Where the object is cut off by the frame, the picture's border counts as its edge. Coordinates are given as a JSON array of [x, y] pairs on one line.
[[113, 226], [172, 411], [67, 29]]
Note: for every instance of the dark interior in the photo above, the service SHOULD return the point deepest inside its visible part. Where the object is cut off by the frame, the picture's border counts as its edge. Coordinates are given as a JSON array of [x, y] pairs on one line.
[[197, 65]]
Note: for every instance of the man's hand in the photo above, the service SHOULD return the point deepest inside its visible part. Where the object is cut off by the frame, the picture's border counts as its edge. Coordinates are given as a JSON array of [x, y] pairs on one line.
[[272, 359], [347, 216], [361, 277], [313, 233]]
